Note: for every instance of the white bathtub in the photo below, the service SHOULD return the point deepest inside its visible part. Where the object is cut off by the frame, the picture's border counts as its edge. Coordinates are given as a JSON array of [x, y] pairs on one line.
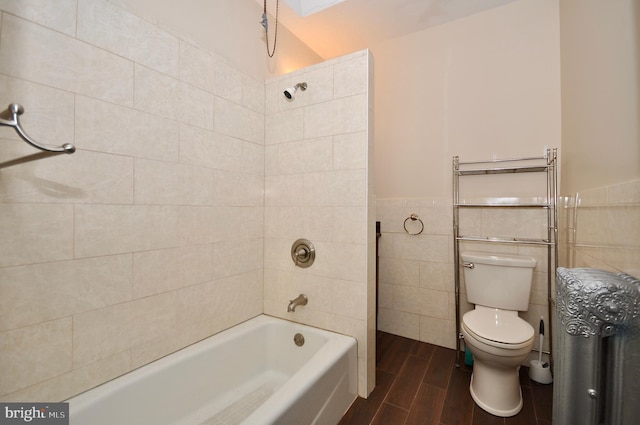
[[253, 373]]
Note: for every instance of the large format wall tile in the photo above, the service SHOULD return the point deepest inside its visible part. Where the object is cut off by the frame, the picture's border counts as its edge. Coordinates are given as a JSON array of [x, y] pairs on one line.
[[59, 15], [202, 224], [114, 229], [237, 189], [162, 95], [34, 354], [98, 334], [238, 121], [105, 127], [103, 24], [35, 233], [41, 292], [197, 67], [84, 177], [165, 183], [31, 52], [163, 270]]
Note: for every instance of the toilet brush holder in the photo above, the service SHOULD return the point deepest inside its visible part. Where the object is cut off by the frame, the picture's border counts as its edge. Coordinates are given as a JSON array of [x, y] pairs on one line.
[[540, 372]]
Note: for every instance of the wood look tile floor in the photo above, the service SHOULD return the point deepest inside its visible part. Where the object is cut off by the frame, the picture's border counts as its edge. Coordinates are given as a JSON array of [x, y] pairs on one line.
[[418, 383]]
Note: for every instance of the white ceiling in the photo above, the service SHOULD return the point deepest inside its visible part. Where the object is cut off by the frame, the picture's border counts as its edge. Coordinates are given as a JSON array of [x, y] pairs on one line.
[[358, 24]]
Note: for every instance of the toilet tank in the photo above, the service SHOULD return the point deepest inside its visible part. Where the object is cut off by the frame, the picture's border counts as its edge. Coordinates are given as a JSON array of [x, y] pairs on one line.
[[498, 280]]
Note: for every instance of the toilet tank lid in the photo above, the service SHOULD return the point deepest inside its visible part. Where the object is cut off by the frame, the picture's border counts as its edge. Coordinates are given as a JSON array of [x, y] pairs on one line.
[[498, 259]]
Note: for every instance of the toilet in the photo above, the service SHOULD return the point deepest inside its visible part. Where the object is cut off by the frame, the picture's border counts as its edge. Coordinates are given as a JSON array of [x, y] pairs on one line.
[[499, 285]]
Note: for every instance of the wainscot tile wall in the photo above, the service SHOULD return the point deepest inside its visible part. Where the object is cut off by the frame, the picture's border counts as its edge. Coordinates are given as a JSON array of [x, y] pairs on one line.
[[601, 229], [137, 244], [416, 284]]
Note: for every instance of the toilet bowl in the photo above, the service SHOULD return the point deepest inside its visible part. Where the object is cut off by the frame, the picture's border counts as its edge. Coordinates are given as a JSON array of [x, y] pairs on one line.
[[500, 342], [499, 286]]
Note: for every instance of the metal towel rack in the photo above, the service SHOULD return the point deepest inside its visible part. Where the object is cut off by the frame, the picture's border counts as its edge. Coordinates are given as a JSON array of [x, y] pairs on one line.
[[546, 164], [9, 117]]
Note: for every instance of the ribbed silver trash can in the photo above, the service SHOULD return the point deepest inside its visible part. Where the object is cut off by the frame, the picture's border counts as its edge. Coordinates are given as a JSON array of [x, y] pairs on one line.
[[596, 348]]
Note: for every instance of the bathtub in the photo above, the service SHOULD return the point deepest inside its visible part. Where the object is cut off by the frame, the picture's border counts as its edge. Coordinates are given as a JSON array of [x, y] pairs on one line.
[[253, 373]]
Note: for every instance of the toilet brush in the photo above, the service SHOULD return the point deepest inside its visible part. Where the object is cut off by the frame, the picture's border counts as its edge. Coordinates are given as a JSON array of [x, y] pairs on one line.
[[541, 341], [540, 371]]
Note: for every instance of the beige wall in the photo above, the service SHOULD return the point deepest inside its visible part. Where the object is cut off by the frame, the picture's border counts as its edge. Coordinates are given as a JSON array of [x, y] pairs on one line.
[[231, 29], [317, 187], [600, 93], [485, 85], [601, 134], [482, 85]]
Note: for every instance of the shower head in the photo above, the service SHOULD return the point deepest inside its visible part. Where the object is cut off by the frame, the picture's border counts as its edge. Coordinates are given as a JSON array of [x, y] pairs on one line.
[[289, 92]]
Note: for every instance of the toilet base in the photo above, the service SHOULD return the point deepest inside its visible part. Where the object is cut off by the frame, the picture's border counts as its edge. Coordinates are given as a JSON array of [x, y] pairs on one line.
[[500, 394]]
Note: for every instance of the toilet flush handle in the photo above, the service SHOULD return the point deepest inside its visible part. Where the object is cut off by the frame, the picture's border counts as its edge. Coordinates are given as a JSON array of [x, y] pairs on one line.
[[468, 265]]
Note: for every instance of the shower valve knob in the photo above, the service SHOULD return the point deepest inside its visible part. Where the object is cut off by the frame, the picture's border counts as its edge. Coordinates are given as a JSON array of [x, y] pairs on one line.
[[303, 253]]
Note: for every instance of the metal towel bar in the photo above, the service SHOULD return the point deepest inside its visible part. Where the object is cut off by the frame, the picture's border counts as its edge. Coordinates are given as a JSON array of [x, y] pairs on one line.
[[9, 117]]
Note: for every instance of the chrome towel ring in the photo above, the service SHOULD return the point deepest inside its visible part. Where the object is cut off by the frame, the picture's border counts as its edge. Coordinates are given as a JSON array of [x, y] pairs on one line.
[[413, 217]]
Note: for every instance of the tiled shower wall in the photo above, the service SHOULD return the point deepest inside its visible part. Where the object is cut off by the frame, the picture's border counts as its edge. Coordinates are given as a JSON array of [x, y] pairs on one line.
[[416, 285], [601, 229], [144, 240], [318, 187]]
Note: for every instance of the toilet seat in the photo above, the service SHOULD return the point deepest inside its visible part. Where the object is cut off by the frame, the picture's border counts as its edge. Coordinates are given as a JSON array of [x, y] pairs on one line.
[[499, 328]]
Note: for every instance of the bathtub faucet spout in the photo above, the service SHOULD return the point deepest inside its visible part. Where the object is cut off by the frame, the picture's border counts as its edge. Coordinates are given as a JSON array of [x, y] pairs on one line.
[[300, 300]]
